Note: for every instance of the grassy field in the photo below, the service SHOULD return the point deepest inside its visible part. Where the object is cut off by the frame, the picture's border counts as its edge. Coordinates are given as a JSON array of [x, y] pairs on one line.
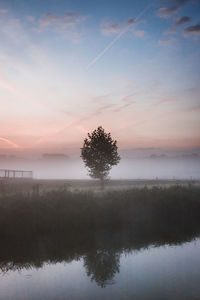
[[41, 186]]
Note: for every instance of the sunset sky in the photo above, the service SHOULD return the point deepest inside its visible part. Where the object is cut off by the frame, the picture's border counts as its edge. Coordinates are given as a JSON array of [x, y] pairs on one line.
[[67, 67]]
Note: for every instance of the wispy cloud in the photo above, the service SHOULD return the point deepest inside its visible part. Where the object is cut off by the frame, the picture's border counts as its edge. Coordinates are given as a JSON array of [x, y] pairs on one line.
[[139, 33], [65, 20], [166, 40], [110, 27], [77, 123], [79, 120], [163, 101], [102, 107], [126, 102], [65, 24], [192, 109], [82, 129], [100, 99], [13, 30], [9, 86], [5, 83], [102, 102], [194, 29], [180, 21], [30, 18], [172, 6], [3, 11]]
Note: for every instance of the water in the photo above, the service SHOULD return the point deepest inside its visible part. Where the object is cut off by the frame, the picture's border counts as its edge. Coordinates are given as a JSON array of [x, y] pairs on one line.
[[101, 270]]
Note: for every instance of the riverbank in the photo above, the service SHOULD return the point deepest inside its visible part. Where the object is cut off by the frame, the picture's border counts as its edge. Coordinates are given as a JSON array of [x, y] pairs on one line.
[[10, 186]]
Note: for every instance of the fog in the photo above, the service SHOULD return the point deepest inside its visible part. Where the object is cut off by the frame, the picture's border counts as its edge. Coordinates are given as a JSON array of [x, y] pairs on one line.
[[162, 167]]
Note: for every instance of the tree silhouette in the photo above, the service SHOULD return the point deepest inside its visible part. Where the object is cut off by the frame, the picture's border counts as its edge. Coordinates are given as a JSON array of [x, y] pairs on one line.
[[99, 154], [102, 265]]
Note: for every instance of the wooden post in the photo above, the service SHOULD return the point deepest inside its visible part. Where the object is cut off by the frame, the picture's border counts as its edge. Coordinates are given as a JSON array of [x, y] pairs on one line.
[[36, 189], [2, 188]]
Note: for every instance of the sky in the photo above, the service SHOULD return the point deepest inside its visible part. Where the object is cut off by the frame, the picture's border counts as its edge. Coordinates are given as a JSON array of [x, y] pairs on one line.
[[67, 67]]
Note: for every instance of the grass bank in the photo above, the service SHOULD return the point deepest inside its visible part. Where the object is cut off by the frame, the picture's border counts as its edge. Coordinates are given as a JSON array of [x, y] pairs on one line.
[[150, 212]]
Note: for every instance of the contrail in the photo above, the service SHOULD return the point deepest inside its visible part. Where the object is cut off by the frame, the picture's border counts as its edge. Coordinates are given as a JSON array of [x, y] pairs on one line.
[[14, 145], [117, 38]]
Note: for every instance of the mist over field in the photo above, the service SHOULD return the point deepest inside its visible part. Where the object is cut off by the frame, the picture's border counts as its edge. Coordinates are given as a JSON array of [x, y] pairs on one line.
[[134, 164]]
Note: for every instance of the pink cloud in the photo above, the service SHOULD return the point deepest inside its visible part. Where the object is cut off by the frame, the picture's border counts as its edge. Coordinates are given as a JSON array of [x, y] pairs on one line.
[[127, 101], [65, 20], [139, 33], [3, 11], [164, 41], [164, 100], [109, 27], [82, 129]]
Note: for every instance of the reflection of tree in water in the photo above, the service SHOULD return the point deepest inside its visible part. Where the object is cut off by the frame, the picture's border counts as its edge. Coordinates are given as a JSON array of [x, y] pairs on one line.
[[100, 251], [102, 265]]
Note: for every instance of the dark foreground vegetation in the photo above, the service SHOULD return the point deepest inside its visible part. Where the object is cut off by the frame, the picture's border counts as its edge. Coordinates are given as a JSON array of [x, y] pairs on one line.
[[162, 211], [65, 226]]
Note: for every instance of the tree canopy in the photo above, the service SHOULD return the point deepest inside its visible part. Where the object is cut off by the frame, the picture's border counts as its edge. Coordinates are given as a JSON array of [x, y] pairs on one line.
[[99, 153]]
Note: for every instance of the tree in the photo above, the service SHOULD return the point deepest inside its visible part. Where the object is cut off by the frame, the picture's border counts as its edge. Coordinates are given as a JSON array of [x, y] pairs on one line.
[[99, 154]]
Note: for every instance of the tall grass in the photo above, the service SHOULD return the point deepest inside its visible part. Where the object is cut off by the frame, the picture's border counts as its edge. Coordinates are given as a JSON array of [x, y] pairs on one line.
[[162, 211]]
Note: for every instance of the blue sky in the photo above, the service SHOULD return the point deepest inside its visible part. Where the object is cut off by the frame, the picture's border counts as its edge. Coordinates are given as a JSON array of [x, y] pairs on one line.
[[67, 67]]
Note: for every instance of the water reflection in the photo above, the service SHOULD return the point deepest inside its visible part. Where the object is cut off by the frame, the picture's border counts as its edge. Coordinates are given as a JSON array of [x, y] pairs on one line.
[[100, 251], [101, 265]]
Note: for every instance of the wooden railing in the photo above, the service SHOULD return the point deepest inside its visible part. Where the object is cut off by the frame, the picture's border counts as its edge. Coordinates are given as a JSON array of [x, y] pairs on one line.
[[6, 173]]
